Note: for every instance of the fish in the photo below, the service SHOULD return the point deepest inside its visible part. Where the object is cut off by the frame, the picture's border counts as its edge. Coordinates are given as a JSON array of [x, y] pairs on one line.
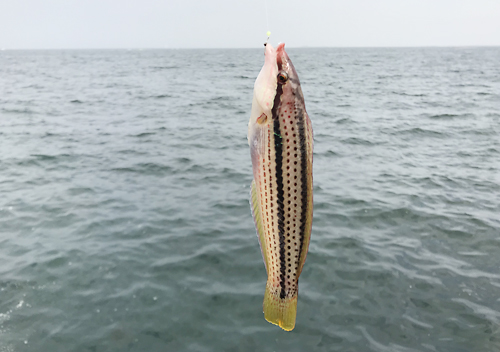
[[280, 137]]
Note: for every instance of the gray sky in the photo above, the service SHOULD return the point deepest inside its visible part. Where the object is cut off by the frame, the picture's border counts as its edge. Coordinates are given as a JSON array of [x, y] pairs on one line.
[[35, 24]]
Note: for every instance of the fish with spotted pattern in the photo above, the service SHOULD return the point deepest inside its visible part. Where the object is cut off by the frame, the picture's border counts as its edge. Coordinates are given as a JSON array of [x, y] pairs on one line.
[[281, 145]]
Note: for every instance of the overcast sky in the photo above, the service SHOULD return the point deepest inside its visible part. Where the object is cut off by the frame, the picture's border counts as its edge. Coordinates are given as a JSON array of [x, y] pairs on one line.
[[34, 24]]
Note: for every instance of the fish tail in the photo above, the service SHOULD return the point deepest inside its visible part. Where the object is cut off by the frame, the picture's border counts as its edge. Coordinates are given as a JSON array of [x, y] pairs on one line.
[[280, 311]]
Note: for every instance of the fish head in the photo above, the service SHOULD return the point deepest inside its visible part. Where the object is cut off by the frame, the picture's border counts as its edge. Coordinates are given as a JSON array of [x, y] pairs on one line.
[[277, 82], [288, 81]]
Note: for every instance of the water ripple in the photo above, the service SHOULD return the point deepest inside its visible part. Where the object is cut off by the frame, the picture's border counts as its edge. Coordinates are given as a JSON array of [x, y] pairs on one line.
[[124, 216]]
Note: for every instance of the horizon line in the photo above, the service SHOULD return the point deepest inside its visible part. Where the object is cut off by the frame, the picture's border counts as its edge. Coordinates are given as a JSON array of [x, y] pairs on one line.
[[239, 48]]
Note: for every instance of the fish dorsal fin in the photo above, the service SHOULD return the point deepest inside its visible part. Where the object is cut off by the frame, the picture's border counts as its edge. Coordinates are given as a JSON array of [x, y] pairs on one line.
[[257, 217], [309, 201]]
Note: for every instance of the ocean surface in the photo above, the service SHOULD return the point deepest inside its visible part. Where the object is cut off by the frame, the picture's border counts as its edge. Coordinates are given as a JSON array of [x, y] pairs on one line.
[[124, 215]]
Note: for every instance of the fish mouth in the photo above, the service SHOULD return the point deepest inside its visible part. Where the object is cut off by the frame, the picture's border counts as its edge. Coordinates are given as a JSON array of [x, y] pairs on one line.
[[281, 55]]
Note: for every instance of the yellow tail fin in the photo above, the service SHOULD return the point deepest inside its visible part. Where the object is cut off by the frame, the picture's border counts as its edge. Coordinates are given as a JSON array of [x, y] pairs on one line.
[[280, 311]]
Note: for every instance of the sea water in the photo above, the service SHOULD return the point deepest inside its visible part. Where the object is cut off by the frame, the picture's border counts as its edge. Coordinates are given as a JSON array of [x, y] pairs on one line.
[[124, 215]]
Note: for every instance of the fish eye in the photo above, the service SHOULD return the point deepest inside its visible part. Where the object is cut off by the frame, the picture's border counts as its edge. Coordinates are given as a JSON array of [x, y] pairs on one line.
[[282, 77]]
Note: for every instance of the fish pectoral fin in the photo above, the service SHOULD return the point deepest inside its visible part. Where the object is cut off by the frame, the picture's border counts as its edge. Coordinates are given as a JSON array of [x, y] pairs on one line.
[[257, 218], [262, 119]]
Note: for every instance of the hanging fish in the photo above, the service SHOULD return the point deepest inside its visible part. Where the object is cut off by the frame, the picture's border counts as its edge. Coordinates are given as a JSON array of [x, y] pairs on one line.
[[281, 145]]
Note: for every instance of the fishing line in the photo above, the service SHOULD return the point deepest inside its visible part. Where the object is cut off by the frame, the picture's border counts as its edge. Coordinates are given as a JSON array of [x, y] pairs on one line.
[[267, 22]]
